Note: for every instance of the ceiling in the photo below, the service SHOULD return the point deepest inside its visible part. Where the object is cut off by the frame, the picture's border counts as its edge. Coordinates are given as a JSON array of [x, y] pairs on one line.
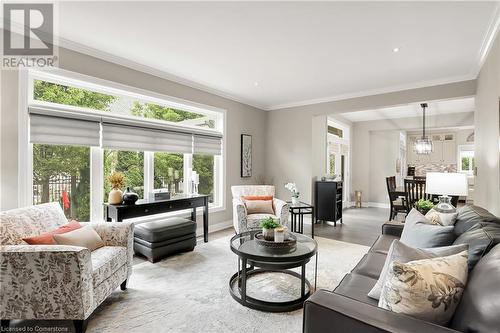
[[278, 54], [414, 110]]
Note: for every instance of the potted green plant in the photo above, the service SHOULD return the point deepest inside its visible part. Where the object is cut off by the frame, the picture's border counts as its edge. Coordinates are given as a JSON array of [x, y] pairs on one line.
[[423, 206], [268, 225]]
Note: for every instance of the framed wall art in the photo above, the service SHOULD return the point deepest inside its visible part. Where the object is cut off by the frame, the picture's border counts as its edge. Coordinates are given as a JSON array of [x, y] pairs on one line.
[[246, 155]]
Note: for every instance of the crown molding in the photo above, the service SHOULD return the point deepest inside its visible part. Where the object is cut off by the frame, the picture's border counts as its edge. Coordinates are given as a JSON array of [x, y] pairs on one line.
[[489, 38], [373, 92]]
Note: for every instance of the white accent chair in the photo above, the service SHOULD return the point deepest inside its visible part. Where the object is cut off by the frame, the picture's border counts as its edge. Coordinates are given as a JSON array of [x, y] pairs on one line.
[[58, 281], [245, 222]]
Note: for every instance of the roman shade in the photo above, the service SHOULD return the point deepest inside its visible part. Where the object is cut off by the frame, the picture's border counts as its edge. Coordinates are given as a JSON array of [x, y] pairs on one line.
[[208, 145], [49, 129], [145, 139]]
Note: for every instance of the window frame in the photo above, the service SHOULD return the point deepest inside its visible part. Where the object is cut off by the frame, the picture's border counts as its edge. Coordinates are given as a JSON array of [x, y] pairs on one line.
[[461, 149], [64, 77]]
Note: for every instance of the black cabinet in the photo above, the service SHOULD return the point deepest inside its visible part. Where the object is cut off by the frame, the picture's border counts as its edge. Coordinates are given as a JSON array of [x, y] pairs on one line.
[[328, 201]]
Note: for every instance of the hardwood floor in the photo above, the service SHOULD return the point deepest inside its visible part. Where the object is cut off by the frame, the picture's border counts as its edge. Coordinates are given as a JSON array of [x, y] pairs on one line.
[[360, 226]]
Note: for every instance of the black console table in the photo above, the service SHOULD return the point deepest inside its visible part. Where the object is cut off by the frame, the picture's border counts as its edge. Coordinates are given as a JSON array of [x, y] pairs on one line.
[[144, 207]]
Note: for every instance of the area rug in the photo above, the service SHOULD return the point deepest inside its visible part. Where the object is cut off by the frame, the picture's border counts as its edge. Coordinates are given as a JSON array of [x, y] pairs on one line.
[[189, 293]]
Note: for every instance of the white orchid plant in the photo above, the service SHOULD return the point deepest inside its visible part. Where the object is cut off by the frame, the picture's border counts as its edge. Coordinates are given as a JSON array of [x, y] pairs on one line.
[[292, 187]]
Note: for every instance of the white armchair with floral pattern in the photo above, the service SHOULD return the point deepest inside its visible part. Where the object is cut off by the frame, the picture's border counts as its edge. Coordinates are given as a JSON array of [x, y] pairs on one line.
[[243, 221], [58, 281]]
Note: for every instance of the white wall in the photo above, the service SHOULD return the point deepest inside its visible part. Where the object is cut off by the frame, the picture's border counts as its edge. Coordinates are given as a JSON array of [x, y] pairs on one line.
[[487, 137], [241, 118]]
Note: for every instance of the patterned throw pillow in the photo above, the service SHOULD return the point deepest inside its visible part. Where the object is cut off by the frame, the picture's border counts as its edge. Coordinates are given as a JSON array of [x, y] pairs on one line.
[[436, 217], [427, 289]]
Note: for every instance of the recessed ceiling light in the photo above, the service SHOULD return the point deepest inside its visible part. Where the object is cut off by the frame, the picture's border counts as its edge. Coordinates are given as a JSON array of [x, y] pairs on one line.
[[256, 83], [395, 50]]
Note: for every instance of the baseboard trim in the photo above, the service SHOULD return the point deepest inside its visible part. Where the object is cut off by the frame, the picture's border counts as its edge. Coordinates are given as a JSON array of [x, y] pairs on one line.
[[375, 204], [213, 227]]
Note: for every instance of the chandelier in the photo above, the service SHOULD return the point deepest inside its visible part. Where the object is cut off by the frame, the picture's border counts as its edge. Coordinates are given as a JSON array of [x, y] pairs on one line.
[[423, 146]]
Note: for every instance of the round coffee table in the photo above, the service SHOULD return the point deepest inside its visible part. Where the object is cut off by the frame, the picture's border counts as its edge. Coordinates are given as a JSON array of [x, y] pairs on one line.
[[254, 259]]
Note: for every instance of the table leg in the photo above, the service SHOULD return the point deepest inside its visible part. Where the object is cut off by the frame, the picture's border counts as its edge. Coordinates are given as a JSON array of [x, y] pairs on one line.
[[303, 281], [301, 223], [313, 222], [316, 272], [193, 215], [243, 279], [205, 221]]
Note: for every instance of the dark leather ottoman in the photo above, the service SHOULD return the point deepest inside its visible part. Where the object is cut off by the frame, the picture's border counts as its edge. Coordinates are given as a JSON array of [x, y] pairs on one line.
[[158, 239]]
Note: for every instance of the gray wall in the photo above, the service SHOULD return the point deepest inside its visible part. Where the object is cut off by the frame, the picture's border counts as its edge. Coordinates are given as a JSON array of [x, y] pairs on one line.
[[292, 131], [487, 137], [241, 118]]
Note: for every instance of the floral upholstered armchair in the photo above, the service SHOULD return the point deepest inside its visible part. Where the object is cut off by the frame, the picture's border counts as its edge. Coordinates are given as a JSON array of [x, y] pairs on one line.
[[243, 221], [58, 281]]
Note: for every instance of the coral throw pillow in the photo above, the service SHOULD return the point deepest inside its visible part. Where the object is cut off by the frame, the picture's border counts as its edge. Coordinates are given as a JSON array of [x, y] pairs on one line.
[[48, 237], [258, 197]]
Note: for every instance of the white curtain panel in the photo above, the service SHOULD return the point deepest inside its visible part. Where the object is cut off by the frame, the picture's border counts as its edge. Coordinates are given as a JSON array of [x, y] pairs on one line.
[[63, 131], [138, 138], [207, 145]]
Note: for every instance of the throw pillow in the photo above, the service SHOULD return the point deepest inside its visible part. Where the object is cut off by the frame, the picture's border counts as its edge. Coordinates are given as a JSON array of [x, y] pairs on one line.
[[436, 217], [84, 237], [403, 253], [417, 232], [427, 289], [258, 197], [259, 207], [47, 238]]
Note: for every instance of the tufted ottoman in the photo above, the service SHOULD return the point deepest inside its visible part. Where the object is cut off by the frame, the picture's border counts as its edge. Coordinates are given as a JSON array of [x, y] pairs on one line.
[[158, 239]]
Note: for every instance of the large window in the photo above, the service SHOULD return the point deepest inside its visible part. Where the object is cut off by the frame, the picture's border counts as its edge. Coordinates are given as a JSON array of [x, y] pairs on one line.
[[62, 174], [169, 172], [72, 167], [130, 163]]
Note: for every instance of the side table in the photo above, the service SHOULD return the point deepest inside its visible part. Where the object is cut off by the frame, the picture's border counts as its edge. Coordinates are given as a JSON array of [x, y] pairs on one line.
[[297, 213]]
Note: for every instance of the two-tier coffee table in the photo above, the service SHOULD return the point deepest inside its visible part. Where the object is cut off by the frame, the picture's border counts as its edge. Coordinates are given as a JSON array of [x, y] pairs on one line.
[[254, 259]]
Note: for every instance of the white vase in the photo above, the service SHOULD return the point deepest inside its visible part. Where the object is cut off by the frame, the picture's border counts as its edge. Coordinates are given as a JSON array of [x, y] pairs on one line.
[[115, 196], [295, 201], [268, 234]]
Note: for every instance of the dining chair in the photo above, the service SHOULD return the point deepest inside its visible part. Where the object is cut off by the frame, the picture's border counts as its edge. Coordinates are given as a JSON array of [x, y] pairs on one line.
[[398, 204], [410, 171], [415, 190]]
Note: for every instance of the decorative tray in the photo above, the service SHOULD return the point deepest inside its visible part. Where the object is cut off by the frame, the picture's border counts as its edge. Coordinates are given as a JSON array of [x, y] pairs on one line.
[[288, 245]]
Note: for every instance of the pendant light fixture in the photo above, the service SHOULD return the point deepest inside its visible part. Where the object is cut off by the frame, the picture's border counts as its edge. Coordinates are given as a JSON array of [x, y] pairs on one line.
[[423, 146]]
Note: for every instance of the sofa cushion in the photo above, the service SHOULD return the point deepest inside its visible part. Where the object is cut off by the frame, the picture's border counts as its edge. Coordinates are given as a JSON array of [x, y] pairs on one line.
[[371, 265], [107, 260], [403, 253], [28, 221], [356, 286], [469, 215], [478, 310], [418, 232], [164, 229], [383, 243], [480, 238]]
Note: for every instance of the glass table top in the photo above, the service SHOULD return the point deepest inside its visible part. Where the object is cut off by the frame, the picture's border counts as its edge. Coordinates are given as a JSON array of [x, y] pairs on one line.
[[244, 245]]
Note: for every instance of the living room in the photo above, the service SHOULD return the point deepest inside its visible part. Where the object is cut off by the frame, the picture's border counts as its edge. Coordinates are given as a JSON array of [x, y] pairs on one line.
[[163, 146]]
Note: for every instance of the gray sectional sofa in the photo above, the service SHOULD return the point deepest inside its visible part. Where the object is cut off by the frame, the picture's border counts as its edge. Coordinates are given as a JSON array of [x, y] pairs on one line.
[[349, 309]]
